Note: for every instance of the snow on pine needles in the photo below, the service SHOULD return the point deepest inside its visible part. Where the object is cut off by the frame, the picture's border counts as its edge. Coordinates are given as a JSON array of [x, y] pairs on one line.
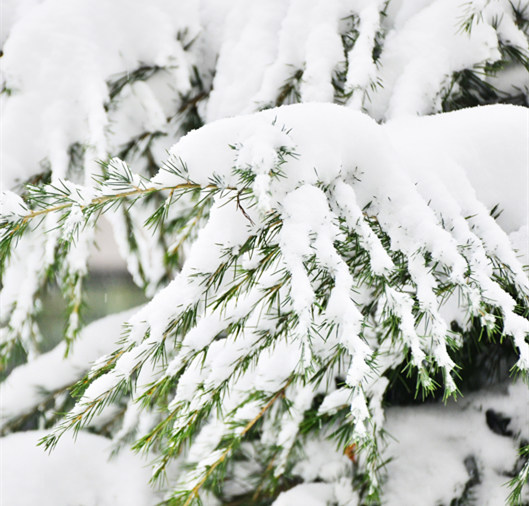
[[318, 244]]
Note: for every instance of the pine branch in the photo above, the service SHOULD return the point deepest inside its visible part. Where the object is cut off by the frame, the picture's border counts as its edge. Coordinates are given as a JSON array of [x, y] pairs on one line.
[[194, 492]]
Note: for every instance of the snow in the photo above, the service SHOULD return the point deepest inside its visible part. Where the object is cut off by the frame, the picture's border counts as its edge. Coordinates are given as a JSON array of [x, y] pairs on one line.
[[97, 40], [395, 173], [335, 400], [401, 304], [427, 182], [429, 446], [489, 142], [459, 137], [325, 472], [433, 449], [346, 203], [30, 384], [323, 52], [75, 472], [12, 207], [309, 494], [20, 284], [247, 48], [289, 424], [422, 54], [361, 70]]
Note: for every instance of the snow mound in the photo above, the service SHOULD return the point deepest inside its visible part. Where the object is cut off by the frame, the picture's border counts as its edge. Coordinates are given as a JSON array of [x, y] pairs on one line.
[[76, 472], [441, 452]]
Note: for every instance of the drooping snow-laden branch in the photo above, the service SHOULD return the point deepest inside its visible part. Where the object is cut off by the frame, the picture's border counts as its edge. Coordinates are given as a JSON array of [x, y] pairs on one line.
[[153, 94], [359, 254], [327, 247]]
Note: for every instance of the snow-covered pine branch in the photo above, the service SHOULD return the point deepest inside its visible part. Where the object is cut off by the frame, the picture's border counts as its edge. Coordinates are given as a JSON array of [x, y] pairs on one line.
[[324, 250], [126, 97], [302, 261]]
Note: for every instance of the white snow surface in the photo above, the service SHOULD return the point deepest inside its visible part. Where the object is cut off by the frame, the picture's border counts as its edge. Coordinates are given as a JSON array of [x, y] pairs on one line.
[[427, 45], [429, 444], [490, 143], [12, 206], [308, 494], [75, 472]]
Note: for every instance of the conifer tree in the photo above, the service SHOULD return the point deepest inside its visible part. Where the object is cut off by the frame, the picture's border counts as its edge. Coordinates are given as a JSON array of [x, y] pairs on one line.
[[322, 231]]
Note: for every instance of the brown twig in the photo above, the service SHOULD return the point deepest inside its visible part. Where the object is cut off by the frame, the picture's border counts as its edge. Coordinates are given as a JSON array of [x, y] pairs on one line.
[[248, 426]]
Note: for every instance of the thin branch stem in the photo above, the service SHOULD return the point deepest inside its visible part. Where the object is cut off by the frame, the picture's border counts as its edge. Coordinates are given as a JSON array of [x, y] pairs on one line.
[[246, 429], [107, 198]]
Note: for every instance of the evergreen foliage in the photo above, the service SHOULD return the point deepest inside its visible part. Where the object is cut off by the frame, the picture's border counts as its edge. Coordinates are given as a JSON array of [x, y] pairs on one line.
[[294, 296]]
